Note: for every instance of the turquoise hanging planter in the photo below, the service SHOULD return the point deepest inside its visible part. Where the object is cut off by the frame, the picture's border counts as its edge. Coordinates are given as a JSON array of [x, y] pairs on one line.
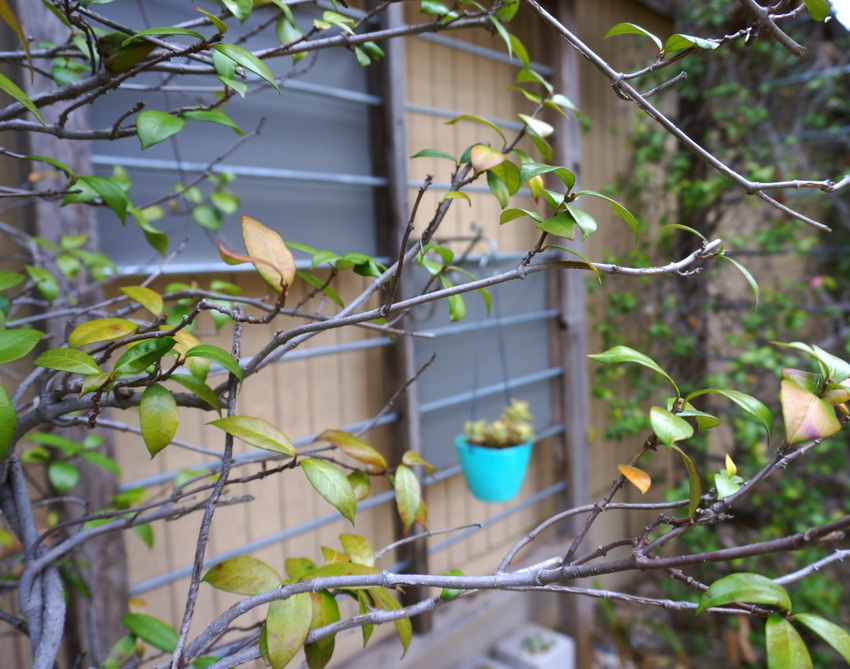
[[493, 474]]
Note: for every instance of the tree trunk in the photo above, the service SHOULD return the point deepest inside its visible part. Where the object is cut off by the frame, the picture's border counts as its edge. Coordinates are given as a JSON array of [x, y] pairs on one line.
[[93, 623]]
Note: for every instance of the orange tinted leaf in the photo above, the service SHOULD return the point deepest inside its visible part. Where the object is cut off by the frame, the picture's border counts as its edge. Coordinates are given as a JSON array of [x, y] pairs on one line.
[[355, 448], [806, 415], [264, 243], [483, 157], [637, 477]]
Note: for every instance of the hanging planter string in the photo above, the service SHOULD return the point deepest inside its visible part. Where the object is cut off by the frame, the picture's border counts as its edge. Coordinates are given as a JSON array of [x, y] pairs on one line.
[[494, 460]]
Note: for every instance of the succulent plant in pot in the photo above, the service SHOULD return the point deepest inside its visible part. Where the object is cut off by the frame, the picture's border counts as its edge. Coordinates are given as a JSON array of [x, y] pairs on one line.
[[494, 455]]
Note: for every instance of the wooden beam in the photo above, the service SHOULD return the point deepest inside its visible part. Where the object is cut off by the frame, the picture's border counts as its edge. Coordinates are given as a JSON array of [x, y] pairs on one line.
[[576, 613], [390, 155]]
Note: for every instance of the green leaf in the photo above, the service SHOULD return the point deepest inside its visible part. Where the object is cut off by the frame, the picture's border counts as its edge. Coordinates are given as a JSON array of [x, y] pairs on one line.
[[164, 31], [806, 415], [199, 388], [499, 189], [8, 423], [256, 432], [578, 255], [101, 460], [747, 588], [247, 60], [726, 485], [144, 354], [15, 344], [158, 418], [434, 8], [529, 75], [212, 116], [151, 630], [478, 119], [46, 283], [316, 282], [510, 214], [632, 29], [530, 170], [679, 41], [241, 9], [287, 625], [835, 636], [155, 126], [332, 485], [220, 25], [749, 277], [363, 59], [243, 575], [679, 226], [694, 485], [218, 356], [7, 85], [10, 279], [365, 604], [619, 209], [818, 9], [298, 568], [626, 354], [145, 533], [748, 403], [68, 360], [9, 18], [120, 653], [359, 549], [704, 421], [63, 476], [386, 601], [586, 222], [833, 368], [408, 495], [785, 647], [457, 307], [448, 594], [325, 612], [668, 427], [434, 153], [560, 225], [453, 194], [355, 448], [360, 484]]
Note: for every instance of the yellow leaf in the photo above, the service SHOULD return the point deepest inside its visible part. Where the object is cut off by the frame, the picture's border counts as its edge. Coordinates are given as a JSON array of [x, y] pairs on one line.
[[149, 299], [101, 329], [276, 264], [637, 477]]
